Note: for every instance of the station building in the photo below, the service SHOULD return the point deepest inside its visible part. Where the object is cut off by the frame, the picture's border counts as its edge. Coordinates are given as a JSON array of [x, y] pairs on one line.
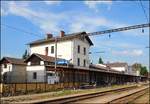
[[65, 59]]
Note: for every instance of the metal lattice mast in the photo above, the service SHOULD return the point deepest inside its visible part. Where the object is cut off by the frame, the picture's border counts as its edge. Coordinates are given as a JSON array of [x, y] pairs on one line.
[[119, 29]]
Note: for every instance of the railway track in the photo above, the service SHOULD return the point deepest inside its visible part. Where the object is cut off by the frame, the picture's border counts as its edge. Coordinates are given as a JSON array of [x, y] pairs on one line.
[[77, 99], [129, 97]]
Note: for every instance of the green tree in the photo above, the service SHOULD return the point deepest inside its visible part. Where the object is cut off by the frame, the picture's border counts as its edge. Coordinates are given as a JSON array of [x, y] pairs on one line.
[[25, 55], [143, 70], [100, 61]]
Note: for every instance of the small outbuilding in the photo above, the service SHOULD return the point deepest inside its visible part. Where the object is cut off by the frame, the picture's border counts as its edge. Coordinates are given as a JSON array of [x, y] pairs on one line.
[[13, 70], [37, 69]]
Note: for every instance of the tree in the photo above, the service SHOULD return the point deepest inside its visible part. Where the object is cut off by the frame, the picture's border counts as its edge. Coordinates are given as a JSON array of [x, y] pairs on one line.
[[100, 61], [143, 70], [25, 55]]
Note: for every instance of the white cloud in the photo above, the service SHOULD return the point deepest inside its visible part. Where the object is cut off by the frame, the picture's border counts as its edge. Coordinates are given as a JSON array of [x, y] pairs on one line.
[[134, 53], [51, 22], [94, 4], [52, 2], [3, 12], [47, 21], [87, 23]]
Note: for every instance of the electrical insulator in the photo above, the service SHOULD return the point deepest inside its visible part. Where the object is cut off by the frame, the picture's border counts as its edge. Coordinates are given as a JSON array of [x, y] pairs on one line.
[[109, 36], [142, 30]]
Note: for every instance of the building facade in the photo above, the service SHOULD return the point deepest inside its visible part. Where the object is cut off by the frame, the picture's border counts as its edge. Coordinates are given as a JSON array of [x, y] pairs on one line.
[[72, 47], [136, 69], [119, 66], [13, 70]]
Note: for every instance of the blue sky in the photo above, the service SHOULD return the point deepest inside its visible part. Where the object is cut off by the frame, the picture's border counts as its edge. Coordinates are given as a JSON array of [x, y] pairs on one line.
[[41, 17]]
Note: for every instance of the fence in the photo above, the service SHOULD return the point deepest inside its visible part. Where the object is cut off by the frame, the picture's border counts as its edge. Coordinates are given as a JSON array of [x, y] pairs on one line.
[[26, 88], [37, 81]]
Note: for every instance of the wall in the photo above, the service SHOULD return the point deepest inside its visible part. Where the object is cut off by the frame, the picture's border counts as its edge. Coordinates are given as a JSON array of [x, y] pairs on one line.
[[81, 54], [64, 49], [123, 69], [18, 73], [134, 71], [67, 50], [9, 68], [40, 70], [137, 73]]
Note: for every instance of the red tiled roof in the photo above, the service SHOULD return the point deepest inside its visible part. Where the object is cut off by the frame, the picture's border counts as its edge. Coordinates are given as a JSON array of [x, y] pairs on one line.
[[13, 60], [43, 57], [66, 37], [102, 68], [117, 64]]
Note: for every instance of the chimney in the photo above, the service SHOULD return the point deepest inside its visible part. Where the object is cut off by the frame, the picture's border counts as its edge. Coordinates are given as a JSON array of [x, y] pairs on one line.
[[62, 33], [48, 35]]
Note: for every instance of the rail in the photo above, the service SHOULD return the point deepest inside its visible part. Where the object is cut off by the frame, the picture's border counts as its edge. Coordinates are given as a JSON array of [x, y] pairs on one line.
[[130, 97], [80, 97]]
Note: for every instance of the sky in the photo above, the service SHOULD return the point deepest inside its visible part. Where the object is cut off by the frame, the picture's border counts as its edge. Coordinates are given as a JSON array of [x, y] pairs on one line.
[[25, 21]]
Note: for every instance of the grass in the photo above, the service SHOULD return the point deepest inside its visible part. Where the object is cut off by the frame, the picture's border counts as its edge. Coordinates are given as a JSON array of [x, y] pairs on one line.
[[79, 91], [62, 93]]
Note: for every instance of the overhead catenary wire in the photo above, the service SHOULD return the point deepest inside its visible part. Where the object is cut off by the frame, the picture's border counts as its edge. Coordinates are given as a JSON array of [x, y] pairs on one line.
[[119, 29], [144, 10], [20, 30]]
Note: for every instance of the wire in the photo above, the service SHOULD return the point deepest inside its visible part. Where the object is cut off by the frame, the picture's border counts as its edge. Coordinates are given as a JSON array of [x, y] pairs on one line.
[[17, 29], [144, 10], [118, 29]]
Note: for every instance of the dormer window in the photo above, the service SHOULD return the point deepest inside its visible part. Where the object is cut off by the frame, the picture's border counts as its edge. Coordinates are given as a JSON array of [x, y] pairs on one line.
[[52, 49], [78, 48]]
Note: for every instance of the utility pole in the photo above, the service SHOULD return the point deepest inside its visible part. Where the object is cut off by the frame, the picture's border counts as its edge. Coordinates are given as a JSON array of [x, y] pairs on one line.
[[56, 59], [55, 53]]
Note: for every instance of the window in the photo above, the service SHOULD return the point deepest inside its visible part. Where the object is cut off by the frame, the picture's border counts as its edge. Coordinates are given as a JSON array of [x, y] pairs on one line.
[[52, 49], [78, 62], [84, 51], [78, 48], [5, 65], [34, 75], [46, 51], [84, 62], [50, 74]]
